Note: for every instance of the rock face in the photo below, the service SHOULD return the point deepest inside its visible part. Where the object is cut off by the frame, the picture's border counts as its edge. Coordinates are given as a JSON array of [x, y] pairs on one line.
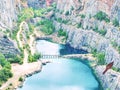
[[7, 47], [8, 13], [110, 80], [36, 3], [81, 27], [86, 37], [39, 3]]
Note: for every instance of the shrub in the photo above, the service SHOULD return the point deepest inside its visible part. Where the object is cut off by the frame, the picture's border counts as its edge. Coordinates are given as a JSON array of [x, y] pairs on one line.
[[67, 13], [119, 49], [59, 20], [82, 16], [114, 44], [95, 29], [31, 58], [20, 79], [14, 58], [102, 16], [102, 32], [101, 58], [62, 33], [115, 22], [65, 21], [26, 13], [94, 52], [79, 25], [37, 56], [34, 58], [116, 69], [47, 26]]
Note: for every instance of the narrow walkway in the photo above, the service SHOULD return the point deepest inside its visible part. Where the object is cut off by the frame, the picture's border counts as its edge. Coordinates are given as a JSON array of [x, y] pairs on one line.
[[25, 59]]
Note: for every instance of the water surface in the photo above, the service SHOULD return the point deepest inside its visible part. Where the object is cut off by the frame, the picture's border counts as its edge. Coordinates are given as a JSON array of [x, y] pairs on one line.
[[61, 74]]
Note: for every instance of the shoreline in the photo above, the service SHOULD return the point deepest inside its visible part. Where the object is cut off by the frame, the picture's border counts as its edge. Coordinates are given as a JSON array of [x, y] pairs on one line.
[[23, 71], [27, 69]]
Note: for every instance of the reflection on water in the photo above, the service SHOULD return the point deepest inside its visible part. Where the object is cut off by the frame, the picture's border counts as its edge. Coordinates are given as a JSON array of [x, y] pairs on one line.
[[61, 74]]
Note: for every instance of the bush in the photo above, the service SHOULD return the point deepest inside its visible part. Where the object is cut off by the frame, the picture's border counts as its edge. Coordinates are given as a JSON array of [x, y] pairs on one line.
[[116, 69], [114, 44], [102, 16], [37, 56], [39, 12], [20, 79], [79, 25], [95, 29], [62, 33], [101, 58], [34, 58], [94, 52], [119, 49], [67, 13], [102, 32], [14, 58], [82, 16], [115, 22], [47, 26], [26, 13], [59, 20]]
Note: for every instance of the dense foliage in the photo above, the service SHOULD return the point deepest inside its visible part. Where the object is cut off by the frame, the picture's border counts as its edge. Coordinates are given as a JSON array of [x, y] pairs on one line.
[[26, 13], [33, 58], [5, 71], [46, 26], [14, 58]]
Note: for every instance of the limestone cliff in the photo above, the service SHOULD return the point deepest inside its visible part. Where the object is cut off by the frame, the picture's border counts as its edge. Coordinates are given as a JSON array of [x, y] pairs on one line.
[[7, 47], [84, 30], [9, 10], [8, 13]]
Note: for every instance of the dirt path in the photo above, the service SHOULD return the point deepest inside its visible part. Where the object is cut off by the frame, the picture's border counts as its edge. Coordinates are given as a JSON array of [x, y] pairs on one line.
[[18, 34], [25, 59], [21, 71], [24, 69]]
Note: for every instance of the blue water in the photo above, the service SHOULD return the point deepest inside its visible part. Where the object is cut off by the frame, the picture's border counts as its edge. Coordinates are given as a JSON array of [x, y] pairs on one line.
[[61, 74]]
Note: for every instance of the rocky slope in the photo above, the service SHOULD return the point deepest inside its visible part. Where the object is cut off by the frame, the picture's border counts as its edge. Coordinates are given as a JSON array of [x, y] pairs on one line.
[[7, 47], [83, 31], [8, 13], [86, 37], [8, 16]]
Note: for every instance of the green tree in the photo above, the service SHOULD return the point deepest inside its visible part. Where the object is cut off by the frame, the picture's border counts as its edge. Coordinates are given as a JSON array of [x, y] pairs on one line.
[[47, 26], [115, 22]]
